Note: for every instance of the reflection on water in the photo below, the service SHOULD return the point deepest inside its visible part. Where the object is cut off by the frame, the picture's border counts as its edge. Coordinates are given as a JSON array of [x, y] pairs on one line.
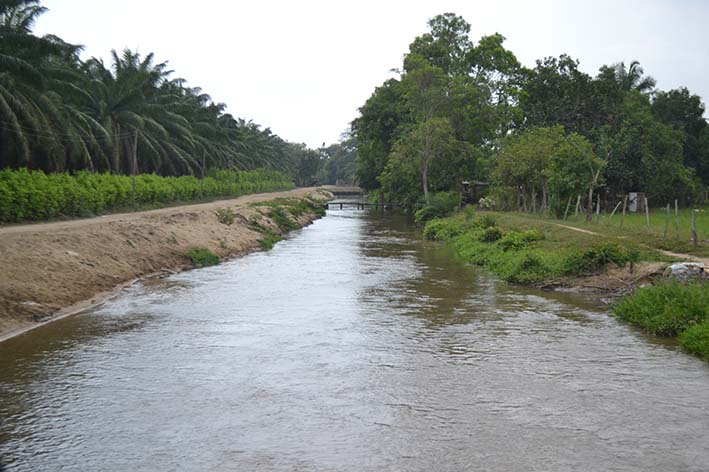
[[354, 346]]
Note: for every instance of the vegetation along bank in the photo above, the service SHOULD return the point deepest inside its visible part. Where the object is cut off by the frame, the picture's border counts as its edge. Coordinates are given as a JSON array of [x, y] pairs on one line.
[[54, 269], [543, 253]]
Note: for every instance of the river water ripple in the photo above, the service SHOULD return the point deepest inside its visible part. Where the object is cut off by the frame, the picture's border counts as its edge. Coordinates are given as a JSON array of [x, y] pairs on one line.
[[351, 346]]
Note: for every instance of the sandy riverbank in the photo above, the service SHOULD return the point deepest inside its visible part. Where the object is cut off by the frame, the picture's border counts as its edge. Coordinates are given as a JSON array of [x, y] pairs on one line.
[[51, 270]]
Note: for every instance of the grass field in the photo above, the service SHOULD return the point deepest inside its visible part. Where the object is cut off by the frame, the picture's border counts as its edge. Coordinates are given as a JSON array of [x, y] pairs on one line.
[[678, 238]]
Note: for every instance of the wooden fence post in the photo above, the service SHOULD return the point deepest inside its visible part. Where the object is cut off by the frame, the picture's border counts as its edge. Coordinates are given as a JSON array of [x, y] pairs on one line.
[[610, 218], [625, 205], [676, 216], [647, 215], [598, 208], [695, 239], [667, 221]]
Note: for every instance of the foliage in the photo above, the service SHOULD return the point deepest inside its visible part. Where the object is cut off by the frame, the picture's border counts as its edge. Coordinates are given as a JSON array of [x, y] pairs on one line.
[[442, 203], [592, 260], [667, 309], [465, 111], [280, 217], [490, 234], [202, 257], [532, 252], [485, 221], [695, 339], [33, 195], [59, 113], [225, 216], [515, 240], [269, 240]]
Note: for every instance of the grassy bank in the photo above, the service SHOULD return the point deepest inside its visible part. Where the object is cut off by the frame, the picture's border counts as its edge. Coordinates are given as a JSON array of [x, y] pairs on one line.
[[673, 310], [536, 251], [532, 251], [34, 196], [678, 237]]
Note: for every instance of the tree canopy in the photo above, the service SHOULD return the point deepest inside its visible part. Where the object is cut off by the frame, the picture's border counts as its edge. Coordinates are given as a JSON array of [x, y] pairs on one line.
[[461, 111], [61, 113]]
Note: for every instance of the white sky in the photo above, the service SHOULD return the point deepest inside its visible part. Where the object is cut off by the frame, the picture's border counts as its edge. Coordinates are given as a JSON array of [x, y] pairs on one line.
[[304, 67]]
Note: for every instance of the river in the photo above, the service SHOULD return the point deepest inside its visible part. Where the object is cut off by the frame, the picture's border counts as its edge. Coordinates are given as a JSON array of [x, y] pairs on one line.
[[353, 345]]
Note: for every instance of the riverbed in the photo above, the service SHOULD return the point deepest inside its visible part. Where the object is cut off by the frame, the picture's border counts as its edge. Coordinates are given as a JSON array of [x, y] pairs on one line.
[[353, 345]]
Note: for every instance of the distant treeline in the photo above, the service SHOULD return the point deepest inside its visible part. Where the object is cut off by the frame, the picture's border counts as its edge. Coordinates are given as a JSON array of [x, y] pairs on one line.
[[59, 113], [33, 195], [535, 138]]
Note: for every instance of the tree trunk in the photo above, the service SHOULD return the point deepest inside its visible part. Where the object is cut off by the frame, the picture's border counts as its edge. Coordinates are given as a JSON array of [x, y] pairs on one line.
[[424, 168], [116, 151]]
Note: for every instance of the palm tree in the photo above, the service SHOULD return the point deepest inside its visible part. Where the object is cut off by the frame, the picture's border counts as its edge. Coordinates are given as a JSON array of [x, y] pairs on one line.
[[632, 78], [37, 127]]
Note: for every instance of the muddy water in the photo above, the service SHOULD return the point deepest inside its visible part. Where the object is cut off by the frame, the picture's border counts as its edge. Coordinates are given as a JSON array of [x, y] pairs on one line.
[[352, 346]]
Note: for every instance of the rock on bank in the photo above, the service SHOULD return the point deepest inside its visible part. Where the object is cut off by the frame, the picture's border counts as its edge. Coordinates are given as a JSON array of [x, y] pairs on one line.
[[50, 270]]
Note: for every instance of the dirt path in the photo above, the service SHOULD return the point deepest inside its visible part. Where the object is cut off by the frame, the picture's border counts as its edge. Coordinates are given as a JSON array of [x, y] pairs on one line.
[[48, 270], [210, 206], [678, 255]]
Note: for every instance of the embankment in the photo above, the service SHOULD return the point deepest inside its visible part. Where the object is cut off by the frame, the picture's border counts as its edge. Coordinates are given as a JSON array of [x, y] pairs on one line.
[[51, 270], [550, 255]]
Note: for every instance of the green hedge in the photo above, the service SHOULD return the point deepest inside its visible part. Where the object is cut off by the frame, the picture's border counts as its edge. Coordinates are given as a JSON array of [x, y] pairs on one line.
[[33, 195]]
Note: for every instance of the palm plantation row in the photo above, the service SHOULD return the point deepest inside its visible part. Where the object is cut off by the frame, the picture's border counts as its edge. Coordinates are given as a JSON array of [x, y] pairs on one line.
[[59, 113]]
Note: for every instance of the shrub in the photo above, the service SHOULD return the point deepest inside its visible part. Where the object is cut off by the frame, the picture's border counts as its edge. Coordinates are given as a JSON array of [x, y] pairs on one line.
[[487, 203], [490, 234], [695, 339], [485, 221], [442, 229], [515, 240], [527, 269], [441, 204], [592, 260], [33, 195], [225, 215], [202, 257], [666, 309]]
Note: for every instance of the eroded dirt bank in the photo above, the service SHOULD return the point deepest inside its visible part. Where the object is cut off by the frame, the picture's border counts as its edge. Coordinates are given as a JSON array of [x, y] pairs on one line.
[[53, 269]]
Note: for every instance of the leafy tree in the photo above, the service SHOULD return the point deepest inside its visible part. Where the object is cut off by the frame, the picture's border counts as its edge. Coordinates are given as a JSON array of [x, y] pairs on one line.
[[545, 165], [685, 112]]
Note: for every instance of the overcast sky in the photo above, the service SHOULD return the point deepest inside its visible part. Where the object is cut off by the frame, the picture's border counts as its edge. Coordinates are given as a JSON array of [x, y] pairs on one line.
[[303, 68]]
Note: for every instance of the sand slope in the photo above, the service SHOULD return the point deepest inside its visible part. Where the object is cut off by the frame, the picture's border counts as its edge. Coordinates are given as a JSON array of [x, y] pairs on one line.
[[51, 269]]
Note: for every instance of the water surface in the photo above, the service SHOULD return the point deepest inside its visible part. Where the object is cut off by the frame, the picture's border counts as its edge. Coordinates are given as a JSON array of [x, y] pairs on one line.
[[351, 346]]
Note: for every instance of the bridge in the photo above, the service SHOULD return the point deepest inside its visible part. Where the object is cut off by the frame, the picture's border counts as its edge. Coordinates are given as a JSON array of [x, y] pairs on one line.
[[358, 205]]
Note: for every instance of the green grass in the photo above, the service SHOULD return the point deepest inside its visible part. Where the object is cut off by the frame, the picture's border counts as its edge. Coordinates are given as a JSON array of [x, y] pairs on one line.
[[678, 238], [202, 257], [671, 309], [530, 250]]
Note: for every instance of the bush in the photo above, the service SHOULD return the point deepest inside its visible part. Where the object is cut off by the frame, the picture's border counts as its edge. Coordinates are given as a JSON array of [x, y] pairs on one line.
[[695, 339], [490, 234], [597, 257], [442, 203], [442, 229], [515, 240], [225, 215], [666, 309], [202, 257], [33, 195], [527, 269], [485, 221]]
